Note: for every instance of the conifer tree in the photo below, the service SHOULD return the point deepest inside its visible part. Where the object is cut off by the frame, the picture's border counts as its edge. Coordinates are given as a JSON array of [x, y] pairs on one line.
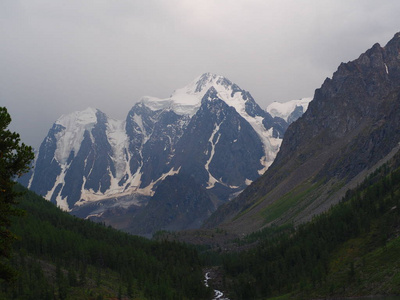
[[15, 158]]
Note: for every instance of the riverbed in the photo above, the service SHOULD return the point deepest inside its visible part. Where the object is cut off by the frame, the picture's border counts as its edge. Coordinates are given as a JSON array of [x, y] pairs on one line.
[[218, 295]]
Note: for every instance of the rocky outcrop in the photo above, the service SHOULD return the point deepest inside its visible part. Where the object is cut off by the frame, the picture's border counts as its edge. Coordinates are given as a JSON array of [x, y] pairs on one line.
[[350, 126], [178, 203], [210, 131]]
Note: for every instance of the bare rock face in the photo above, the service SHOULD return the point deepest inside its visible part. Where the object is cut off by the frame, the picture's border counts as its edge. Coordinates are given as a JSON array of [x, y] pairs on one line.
[[116, 171], [351, 124], [351, 108], [178, 203]]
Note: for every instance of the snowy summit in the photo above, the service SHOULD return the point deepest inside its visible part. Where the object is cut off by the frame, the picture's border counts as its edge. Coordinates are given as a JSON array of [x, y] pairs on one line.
[[210, 130]]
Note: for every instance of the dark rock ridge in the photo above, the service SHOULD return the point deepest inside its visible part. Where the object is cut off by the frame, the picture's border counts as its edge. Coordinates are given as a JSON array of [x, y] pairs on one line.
[[217, 129], [210, 139], [179, 202], [350, 127]]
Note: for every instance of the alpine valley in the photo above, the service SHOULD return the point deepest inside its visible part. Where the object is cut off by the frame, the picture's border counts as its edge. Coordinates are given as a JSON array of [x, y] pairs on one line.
[[320, 219], [170, 164]]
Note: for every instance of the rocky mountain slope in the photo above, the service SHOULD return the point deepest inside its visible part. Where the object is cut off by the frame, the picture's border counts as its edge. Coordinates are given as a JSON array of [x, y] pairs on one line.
[[211, 134], [350, 127]]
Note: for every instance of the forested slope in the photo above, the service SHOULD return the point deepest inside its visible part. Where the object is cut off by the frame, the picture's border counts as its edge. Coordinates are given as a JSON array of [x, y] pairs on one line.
[[351, 250], [59, 256]]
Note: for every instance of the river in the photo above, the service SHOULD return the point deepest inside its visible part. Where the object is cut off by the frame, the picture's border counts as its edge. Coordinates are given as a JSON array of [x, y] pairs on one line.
[[218, 295], [376, 298]]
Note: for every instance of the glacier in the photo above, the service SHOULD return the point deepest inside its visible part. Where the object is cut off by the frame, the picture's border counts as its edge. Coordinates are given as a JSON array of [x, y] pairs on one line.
[[88, 157]]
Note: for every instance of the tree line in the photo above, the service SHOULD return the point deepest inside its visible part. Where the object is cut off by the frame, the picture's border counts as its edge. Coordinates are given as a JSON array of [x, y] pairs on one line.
[[59, 256], [300, 261]]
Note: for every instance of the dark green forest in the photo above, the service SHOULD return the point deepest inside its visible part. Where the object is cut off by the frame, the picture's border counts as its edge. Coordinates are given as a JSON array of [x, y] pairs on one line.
[[351, 250], [59, 256]]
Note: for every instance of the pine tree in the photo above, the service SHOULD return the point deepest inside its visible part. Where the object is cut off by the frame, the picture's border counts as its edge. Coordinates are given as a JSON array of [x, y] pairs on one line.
[[15, 158]]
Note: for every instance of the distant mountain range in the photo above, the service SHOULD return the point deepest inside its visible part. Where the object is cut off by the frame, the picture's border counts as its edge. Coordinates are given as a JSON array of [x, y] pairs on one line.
[[169, 164], [175, 161], [350, 128]]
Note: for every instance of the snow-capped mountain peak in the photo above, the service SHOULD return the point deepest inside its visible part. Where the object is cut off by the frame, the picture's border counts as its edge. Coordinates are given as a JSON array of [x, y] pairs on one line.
[[187, 100], [209, 130], [283, 110], [201, 84], [74, 124], [85, 117]]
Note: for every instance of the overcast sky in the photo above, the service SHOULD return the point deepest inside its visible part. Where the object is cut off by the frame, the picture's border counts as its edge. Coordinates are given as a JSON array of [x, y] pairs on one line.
[[57, 57]]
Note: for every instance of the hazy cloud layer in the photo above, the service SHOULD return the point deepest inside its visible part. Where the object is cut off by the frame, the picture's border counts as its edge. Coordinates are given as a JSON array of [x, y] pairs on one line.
[[57, 56]]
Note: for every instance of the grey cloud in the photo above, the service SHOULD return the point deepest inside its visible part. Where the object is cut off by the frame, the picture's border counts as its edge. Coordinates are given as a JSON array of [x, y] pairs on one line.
[[57, 56]]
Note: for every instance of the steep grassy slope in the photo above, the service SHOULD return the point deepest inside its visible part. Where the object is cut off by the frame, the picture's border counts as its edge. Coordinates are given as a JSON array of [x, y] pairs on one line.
[[59, 256], [350, 250]]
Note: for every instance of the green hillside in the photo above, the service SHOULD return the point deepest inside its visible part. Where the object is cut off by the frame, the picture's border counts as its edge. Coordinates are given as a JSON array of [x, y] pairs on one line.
[[59, 256], [351, 250]]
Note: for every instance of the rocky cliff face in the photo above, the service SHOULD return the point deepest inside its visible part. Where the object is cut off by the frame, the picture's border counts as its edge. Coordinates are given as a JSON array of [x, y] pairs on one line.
[[210, 131], [350, 126], [220, 148], [178, 203]]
